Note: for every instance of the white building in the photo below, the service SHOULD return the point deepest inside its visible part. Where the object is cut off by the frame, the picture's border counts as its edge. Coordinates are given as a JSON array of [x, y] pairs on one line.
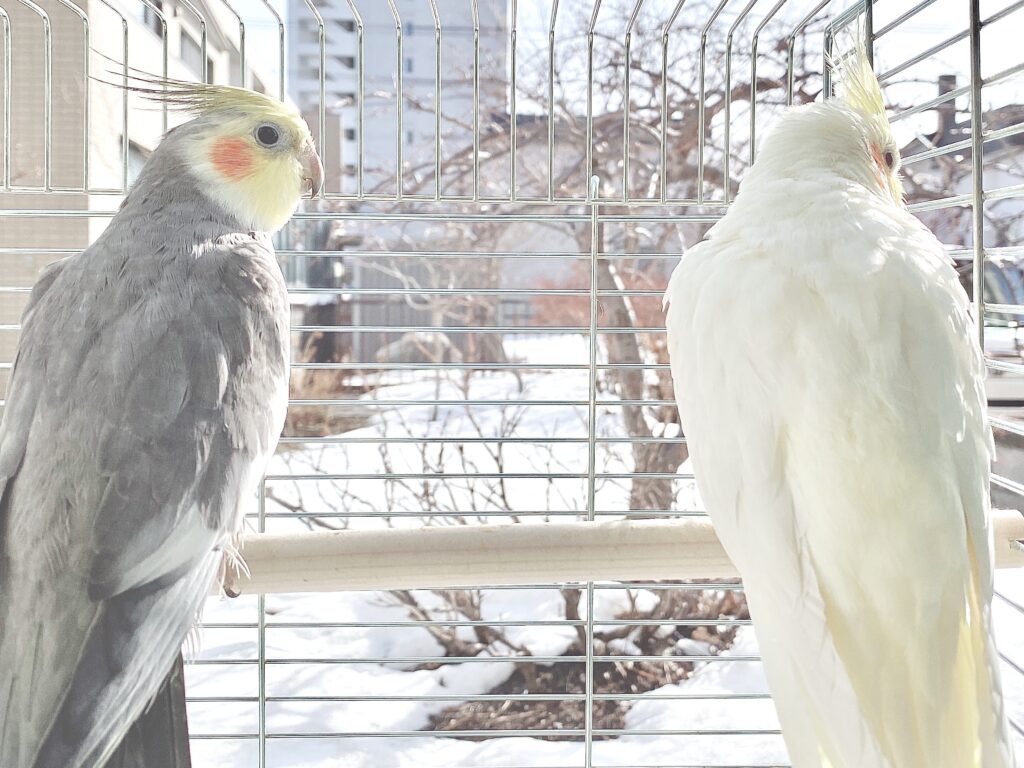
[[383, 138], [98, 136]]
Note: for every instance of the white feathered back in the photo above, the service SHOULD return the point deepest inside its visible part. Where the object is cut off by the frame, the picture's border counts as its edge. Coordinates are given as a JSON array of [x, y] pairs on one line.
[[832, 396]]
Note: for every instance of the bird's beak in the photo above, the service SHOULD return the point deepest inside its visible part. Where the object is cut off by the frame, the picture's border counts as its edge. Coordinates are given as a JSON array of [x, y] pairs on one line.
[[312, 169]]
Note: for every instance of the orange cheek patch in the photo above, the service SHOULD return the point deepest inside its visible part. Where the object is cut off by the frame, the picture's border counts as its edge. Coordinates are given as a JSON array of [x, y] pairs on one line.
[[881, 172], [231, 157]]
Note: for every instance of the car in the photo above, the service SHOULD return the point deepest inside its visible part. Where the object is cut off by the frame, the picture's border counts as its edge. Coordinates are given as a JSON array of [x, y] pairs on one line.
[[1004, 331]]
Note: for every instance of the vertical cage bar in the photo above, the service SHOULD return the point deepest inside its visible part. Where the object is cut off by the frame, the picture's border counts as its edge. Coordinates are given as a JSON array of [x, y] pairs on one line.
[[241, 47], [202, 36], [261, 640], [47, 91], [476, 99], [241, 41], [322, 97], [701, 97], [666, 113], [551, 100], [790, 54], [360, 88], [163, 38], [125, 135], [437, 99], [753, 75], [399, 99], [86, 87], [7, 97], [595, 254], [124, 90], [869, 31], [791, 47], [827, 57], [165, 62], [840, 22], [977, 173], [513, 128], [322, 86], [727, 106], [627, 44], [281, 49], [588, 756], [592, 181]]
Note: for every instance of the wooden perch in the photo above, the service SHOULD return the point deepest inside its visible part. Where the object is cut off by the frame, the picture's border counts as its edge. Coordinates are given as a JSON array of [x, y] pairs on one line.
[[468, 556]]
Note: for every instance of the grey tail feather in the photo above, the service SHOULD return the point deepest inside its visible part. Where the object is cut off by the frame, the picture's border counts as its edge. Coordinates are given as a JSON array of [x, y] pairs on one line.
[[159, 738]]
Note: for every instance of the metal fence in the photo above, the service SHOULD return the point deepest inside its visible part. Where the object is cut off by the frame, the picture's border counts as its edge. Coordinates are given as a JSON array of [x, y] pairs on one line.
[[478, 335]]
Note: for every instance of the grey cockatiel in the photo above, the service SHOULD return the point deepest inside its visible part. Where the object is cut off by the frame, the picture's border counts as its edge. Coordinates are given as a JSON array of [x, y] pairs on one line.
[[148, 391]]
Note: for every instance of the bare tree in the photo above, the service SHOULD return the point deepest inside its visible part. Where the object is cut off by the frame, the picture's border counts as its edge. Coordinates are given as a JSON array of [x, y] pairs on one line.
[[465, 484], [694, 140]]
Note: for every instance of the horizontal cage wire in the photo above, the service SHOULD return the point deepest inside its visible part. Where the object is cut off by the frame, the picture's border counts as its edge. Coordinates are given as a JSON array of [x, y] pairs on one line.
[[478, 337]]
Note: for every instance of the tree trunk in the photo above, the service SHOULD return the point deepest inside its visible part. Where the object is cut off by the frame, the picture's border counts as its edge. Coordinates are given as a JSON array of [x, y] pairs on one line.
[[645, 493]]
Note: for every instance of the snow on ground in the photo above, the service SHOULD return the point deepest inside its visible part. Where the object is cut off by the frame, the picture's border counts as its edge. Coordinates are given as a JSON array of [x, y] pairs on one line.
[[377, 679], [533, 405], [360, 655], [654, 713], [563, 494]]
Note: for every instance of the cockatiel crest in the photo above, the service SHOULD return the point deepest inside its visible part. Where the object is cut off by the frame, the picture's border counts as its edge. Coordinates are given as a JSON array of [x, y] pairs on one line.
[[859, 90]]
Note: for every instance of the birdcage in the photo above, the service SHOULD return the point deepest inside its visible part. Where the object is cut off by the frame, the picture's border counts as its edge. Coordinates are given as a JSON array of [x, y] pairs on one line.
[[479, 544]]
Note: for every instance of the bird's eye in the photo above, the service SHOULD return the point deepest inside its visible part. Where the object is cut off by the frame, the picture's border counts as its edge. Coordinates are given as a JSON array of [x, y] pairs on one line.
[[890, 159], [268, 135]]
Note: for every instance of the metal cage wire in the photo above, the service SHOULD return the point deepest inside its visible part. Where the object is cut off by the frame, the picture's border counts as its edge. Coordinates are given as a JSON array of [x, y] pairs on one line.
[[597, 156]]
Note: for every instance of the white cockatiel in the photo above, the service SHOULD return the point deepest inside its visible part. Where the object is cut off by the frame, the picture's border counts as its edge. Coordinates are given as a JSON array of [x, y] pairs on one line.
[[831, 392]]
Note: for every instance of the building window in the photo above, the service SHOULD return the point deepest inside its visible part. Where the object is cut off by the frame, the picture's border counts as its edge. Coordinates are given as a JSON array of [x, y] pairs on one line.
[[409, 137], [349, 62], [408, 64], [191, 54], [410, 29], [350, 134], [348, 26], [151, 19]]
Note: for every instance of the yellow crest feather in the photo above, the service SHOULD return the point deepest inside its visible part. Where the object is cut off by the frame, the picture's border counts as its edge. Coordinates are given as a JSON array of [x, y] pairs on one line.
[[202, 98], [858, 86]]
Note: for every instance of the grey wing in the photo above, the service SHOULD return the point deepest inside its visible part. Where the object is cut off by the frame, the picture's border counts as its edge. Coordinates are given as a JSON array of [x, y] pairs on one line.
[[159, 738], [141, 443], [20, 401]]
